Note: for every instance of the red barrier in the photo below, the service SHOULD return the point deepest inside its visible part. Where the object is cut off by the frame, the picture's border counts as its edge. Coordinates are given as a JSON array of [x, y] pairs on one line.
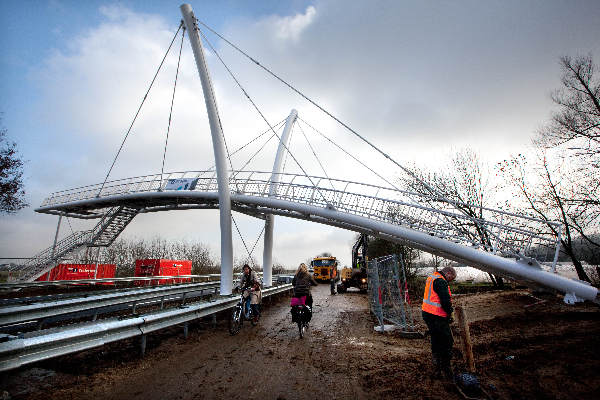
[[73, 272], [159, 267]]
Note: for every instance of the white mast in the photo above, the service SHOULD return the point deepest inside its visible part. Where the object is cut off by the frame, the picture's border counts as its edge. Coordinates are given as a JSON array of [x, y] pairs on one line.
[[218, 147], [270, 219]]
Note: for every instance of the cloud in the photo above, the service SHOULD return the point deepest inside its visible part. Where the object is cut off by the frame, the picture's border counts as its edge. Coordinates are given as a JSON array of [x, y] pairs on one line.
[[289, 28]]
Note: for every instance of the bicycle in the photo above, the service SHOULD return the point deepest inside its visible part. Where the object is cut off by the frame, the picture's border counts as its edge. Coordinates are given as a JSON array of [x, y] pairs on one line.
[[242, 311], [301, 314]]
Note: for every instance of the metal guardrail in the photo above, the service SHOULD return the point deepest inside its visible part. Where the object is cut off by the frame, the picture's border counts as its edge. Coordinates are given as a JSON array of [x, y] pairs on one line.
[[46, 344], [23, 313], [23, 285]]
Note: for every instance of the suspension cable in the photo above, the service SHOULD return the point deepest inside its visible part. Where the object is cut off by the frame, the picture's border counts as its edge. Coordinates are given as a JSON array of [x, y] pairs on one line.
[[431, 189], [251, 141], [241, 237], [162, 170], [349, 154], [409, 172], [258, 110], [317, 157], [139, 109], [254, 155], [285, 154], [258, 238]]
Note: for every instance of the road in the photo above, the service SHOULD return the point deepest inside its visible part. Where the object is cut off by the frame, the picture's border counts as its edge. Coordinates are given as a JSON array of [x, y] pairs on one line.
[[523, 348], [267, 361]]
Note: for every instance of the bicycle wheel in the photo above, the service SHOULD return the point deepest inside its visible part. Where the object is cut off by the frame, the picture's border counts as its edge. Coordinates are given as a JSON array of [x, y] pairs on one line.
[[301, 328], [236, 320]]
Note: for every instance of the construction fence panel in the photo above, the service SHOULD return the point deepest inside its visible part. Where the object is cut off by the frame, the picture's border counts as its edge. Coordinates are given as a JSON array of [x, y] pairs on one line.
[[388, 292]]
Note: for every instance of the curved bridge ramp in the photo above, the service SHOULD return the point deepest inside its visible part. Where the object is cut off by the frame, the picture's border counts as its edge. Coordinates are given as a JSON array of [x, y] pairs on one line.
[[495, 241]]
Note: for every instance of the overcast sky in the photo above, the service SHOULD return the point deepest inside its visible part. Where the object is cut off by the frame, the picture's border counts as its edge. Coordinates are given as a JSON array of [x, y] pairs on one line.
[[420, 79]]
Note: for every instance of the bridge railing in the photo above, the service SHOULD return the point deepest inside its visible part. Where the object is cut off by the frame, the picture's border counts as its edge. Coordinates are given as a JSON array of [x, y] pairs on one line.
[[43, 261], [489, 229], [146, 183]]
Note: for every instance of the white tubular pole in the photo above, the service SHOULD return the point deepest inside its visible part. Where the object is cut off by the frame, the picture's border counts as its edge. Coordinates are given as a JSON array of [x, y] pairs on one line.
[[56, 236], [97, 258], [270, 219], [54, 245], [472, 257], [219, 150]]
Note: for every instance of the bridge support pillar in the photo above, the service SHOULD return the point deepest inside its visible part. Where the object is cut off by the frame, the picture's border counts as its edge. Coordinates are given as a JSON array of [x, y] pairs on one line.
[[218, 147], [269, 222]]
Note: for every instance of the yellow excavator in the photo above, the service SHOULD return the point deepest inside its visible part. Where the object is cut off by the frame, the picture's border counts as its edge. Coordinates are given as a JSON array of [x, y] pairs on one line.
[[356, 276]]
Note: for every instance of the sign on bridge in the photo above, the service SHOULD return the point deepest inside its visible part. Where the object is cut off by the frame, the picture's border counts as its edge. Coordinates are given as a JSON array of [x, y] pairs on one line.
[[181, 184]]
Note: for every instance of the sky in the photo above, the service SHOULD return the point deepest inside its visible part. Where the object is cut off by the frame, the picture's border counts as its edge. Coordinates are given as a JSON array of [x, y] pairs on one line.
[[420, 79]]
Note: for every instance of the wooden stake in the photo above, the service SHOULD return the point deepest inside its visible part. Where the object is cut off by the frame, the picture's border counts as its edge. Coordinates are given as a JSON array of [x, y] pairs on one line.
[[465, 335]]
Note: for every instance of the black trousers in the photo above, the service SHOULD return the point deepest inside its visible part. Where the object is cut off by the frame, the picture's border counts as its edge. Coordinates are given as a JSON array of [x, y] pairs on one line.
[[441, 339], [309, 300]]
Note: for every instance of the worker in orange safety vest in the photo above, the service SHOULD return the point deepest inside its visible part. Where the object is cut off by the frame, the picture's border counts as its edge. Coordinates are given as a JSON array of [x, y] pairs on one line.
[[332, 278], [438, 314]]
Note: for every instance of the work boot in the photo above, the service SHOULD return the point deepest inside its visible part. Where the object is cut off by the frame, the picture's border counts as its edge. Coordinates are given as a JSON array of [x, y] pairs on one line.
[[446, 369], [448, 374], [437, 369]]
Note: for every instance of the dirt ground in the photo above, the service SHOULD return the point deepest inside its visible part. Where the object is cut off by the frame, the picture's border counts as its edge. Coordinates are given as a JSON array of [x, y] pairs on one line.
[[523, 350]]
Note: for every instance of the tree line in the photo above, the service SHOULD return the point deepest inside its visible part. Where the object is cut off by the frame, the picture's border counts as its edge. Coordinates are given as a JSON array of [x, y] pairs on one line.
[[124, 253]]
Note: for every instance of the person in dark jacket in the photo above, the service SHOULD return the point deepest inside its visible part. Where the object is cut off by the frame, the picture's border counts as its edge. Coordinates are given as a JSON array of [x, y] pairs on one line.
[[437, 314], [302, 282], [250, 284]]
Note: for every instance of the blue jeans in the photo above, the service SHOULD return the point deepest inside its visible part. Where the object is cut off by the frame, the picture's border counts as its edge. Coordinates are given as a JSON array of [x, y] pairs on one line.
[[247, 307]]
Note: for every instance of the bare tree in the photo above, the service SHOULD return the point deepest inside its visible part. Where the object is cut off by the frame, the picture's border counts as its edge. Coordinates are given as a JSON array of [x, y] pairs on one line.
[[464, 181], [200, 255], [124, 253], [379, 247], [576, 124], [546, 191], [279, 268], [568, 193], [438, 262], [239, 262], [575, 129], [12, 192]]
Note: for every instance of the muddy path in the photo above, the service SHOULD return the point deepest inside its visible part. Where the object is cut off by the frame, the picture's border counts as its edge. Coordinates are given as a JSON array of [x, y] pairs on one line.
[[547, 350]]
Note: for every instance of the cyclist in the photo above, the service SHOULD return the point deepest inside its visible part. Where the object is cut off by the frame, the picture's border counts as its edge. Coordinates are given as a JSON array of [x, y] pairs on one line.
[[250, 284], [302, 282]]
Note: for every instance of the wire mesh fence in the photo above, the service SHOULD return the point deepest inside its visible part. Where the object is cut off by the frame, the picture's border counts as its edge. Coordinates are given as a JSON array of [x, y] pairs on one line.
[[388, 293]]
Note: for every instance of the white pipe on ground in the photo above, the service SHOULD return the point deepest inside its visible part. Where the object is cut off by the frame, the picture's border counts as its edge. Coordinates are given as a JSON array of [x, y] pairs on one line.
[[520, 269]]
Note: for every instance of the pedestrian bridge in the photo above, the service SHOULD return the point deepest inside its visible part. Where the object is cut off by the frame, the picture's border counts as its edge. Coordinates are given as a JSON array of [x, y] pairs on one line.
[[499, 242]]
